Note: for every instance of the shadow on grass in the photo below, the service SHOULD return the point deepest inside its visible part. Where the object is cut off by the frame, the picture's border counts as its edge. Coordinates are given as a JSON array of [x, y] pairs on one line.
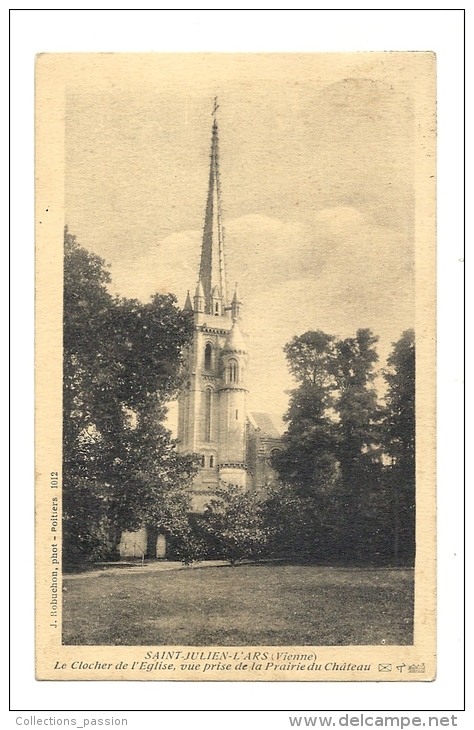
[[74, 568]]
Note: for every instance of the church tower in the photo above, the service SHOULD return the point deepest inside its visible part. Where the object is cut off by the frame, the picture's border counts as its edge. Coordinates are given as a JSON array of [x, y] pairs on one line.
[[212, 417], [233, 445]]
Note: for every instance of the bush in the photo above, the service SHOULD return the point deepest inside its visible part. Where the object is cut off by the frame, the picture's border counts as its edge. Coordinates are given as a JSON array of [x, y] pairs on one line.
[[233, 525]]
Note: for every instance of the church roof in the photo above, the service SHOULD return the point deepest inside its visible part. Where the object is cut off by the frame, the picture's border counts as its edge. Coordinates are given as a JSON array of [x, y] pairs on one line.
[[235, 341], [268, 423]]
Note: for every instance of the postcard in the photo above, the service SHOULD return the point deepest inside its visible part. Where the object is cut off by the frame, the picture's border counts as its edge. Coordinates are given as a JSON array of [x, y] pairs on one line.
[[235, 366]]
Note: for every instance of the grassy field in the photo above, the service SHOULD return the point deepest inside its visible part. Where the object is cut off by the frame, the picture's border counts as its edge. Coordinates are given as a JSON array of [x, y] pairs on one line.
[[274, 605]]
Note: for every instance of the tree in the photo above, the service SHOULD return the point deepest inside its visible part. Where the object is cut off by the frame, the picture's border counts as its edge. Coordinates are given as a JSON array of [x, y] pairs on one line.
[[399, 444], [399, 424], [121, 364], [307, 460], [310, 358], [300, 514], [86, 307], [359, 451], [233, 523], [357, 406], [334, 415], [332, 456], [301, 526]]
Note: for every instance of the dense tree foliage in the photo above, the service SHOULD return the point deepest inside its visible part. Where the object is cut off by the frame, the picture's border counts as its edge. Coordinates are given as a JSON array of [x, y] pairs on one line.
[[308, 459], [399, 443], [400, 415], [121, 364], [233, 524], [338, 483], [301, 525], [356, 405]]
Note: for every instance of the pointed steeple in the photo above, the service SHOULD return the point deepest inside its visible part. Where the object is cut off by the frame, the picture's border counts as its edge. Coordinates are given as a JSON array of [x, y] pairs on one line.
[[188, 304], [212, 268], [235, 305], [199, 302]]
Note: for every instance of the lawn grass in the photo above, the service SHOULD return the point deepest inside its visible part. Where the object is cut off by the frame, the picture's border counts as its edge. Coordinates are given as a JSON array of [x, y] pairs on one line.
[[274, 605]]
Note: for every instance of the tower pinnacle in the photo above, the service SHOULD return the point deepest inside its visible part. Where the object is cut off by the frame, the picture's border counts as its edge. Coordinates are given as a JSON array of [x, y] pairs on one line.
[[212, 267], [235, 305], [188, 304]]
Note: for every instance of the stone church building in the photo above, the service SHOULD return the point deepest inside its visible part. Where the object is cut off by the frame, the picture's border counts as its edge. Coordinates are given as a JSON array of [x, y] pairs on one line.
[[234, 445]]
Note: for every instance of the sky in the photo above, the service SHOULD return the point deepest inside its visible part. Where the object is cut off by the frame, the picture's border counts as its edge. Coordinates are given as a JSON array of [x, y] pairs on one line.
[[317, 169]]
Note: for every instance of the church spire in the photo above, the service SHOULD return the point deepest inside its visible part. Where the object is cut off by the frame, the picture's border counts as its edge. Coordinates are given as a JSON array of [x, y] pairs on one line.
[[212, 268]]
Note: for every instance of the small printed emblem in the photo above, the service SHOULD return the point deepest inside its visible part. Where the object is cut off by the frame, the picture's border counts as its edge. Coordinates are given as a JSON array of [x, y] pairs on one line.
[[416, 668]]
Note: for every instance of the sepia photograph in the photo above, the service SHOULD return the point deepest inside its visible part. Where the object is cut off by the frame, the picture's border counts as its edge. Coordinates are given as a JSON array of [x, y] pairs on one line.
[[235, 366]]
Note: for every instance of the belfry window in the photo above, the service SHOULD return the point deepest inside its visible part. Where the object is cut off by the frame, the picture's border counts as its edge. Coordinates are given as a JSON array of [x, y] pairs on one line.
[[211, 462], [233, 371], [203, 460], [208, 420], [208, 357]]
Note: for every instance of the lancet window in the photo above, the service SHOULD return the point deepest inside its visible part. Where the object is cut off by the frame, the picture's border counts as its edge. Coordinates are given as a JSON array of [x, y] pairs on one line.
[[208, 357], [233, 371], [208, 419]]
